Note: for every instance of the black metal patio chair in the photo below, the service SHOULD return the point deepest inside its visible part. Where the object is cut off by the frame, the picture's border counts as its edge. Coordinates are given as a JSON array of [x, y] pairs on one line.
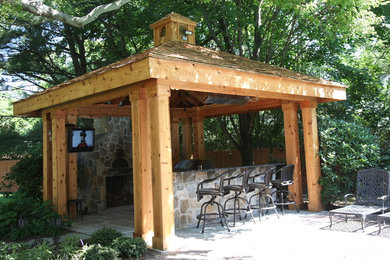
[[372, 191], [238, 184], [260, 182], [212, 187], [283, 179]]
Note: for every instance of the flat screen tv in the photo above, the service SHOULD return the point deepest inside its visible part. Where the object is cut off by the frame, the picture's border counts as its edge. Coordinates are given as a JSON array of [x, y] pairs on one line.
[[81, 140]]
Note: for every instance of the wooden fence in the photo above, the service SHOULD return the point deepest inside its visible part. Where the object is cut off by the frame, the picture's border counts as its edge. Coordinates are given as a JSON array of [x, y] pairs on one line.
[[223, 159], [5, 166]]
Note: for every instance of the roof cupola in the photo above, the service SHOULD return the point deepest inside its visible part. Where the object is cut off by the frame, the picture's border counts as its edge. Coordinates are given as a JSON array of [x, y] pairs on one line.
[[173, 27]]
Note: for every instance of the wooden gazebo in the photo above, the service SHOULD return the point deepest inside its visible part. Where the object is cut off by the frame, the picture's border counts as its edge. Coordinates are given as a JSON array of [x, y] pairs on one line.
[[174, 81]]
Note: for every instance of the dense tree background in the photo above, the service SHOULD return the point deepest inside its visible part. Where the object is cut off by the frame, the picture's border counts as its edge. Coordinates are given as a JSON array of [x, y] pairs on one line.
[[347, 41]]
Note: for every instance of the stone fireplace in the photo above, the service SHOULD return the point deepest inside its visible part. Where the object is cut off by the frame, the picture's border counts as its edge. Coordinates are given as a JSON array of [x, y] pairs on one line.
[[119, 184], [105, 177]]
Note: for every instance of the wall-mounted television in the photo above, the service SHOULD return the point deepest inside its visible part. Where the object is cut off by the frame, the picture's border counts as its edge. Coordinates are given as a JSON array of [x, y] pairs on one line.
[[81, 140]]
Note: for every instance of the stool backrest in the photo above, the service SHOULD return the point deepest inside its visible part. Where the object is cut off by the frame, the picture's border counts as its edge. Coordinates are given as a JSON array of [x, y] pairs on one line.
[[287, 174]]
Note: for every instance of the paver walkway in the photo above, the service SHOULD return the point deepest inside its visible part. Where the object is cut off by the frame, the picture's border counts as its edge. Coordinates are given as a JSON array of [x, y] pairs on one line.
[[303, 235]]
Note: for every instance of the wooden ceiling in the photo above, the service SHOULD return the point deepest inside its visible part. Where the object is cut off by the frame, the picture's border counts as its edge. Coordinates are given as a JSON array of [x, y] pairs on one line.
[[183, 104]]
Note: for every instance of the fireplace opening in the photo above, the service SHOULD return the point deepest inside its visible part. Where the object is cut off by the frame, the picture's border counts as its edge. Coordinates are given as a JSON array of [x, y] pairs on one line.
[[119, 191], [119, 184]]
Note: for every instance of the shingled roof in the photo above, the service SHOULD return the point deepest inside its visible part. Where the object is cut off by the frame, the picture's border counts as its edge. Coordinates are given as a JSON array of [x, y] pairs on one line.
[[177, 51]]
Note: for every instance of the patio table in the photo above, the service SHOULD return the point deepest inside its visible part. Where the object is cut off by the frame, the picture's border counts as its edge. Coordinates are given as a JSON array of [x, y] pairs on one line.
[[360, 211]]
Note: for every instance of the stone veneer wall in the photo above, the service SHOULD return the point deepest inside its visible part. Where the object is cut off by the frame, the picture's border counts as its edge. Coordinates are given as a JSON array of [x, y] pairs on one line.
[[112, 142], [185, 199]]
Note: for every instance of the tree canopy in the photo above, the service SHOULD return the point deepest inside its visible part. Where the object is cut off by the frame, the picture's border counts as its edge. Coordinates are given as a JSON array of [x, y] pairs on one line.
[[347, 41]]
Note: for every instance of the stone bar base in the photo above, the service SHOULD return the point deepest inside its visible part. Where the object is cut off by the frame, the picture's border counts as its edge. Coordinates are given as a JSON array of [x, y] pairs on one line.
[[185, 201]]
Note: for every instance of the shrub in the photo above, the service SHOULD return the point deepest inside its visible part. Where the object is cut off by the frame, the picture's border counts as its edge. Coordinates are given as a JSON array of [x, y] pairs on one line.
[[8, 251], [70, 246], [130, 247], [98, 252], [42, 252], [104, 236], [22, 217], [28, 175], [346, 147]]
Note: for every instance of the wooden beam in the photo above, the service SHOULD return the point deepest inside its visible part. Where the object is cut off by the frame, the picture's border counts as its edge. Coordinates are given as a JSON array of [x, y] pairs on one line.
[[187, 138], [92, 85], [313, 168], [47, 158], [142, 171], [175, 134], [100, 110], [187, 75], [100, 97], [71, 182], [163, 209], [291, 135], [180, 113], [199, 149], [207, 88], [224, 110], [59, 162]]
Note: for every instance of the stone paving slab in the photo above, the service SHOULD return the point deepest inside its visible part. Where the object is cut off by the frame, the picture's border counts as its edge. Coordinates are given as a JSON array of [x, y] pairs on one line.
[[304, 235]]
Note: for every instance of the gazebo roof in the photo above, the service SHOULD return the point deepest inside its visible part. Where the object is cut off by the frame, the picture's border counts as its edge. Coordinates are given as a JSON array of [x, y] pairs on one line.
[[190, 68]]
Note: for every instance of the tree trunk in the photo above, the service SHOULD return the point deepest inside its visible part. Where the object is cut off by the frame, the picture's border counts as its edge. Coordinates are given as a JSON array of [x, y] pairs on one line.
[[246, 124]]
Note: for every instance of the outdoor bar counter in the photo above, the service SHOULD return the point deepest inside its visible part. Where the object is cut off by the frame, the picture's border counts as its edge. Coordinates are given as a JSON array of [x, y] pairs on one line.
[[185, 200]]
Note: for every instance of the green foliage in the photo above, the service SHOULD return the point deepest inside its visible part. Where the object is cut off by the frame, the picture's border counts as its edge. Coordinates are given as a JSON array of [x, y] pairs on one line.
[[27, 174], [99, 252], [22, 217], [104, 236], [18, 136], [42, 252], [20, 251], [130, 247], [345, 148], [70, 247], [9, 250]]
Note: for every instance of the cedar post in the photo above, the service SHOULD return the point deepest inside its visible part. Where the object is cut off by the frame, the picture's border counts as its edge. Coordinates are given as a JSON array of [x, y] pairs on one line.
[[291, 135], [142, 172], [187, 138], [163, 209], [199, 150], [175, 140], [59, 162], [71, 159], [313, 168], [47, 158]]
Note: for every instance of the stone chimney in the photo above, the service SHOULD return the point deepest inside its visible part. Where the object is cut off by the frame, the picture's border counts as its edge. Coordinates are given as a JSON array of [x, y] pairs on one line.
[[173, 27]]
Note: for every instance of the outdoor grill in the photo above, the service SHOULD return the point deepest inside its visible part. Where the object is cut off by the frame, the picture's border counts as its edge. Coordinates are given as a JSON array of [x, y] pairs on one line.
[[190, 165]]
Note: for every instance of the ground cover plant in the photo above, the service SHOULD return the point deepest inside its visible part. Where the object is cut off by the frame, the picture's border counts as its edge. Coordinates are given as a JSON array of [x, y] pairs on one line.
[[22, 217], [73, 247]]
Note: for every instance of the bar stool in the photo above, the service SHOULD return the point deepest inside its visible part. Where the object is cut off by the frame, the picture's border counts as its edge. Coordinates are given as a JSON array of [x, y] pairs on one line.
[[284, 178], [263, 186], [214, 192], [239, 187]]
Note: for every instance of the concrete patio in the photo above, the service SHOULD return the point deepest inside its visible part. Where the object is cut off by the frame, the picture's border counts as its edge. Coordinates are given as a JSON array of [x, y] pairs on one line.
[[304, 235]]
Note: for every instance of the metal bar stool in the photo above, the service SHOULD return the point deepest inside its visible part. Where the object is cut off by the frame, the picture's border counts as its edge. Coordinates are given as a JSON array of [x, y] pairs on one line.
[[214, 192], [284, 178], [263, 186], [239, 187]]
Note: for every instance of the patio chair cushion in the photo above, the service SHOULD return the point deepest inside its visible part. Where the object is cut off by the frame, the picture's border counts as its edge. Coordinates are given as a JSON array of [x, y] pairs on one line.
[[209, 191], [232, 187]]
